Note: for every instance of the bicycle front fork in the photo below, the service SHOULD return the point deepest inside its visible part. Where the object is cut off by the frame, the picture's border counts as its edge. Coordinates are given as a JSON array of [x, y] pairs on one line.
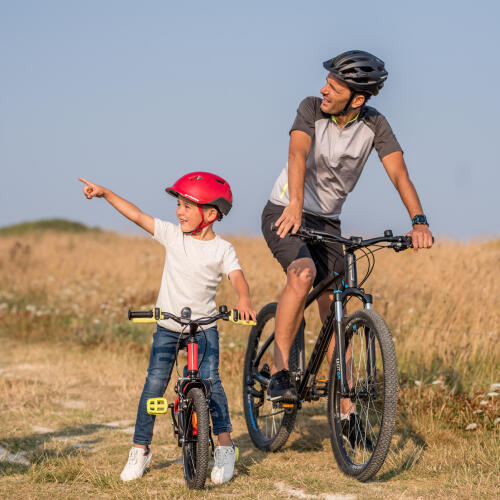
[[340, 359]]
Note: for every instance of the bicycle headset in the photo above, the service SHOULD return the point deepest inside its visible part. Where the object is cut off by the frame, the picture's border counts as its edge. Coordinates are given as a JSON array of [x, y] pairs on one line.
[[206, 190]]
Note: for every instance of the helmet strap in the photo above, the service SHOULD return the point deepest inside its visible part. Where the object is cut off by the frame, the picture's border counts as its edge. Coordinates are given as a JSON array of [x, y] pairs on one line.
[[202, 224], [347, 107]]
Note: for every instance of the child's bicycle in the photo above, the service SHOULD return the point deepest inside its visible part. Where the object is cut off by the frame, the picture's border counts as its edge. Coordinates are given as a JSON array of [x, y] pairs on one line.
[[190, 416], [362, 388]]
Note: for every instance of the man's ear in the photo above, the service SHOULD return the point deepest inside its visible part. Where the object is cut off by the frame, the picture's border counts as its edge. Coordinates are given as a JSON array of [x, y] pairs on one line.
[[358, 101]]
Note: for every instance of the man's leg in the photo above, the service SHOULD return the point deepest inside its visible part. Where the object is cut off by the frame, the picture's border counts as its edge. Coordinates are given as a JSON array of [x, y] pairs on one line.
[[300, 277]]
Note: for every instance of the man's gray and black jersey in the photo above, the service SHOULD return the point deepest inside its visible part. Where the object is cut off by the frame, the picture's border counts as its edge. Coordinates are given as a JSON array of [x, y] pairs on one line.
[[337, 156]]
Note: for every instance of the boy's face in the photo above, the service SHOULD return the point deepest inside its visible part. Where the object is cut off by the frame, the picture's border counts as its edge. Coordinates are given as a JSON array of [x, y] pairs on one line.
[[188, 214]]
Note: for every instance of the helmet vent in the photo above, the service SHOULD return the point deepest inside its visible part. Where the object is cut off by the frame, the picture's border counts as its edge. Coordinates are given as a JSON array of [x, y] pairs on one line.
[[220, 181]]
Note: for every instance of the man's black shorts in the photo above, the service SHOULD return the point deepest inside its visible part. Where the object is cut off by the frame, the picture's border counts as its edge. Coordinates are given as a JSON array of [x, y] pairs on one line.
[[328, 257]]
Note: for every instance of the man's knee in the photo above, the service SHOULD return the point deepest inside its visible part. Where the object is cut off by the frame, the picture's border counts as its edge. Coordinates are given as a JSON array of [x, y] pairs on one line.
[[300, 275]]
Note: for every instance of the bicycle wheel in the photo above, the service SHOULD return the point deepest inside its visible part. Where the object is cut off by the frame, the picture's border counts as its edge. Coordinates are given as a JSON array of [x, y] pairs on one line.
[[361, 426], [269, 425], [195, 448]]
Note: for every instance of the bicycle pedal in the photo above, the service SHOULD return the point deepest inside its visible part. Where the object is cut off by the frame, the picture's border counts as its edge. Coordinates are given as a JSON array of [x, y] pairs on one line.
[[156, 406]]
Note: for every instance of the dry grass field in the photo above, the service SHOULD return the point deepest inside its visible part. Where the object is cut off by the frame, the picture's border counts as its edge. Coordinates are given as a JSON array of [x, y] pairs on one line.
[[72, 368]]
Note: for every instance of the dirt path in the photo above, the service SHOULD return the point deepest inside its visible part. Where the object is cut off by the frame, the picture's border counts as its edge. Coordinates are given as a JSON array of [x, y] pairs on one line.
[[67, 417]]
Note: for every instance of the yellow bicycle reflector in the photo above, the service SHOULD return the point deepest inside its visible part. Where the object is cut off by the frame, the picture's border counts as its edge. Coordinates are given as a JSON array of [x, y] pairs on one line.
[[157, 406], [237, 453], [287, 405]]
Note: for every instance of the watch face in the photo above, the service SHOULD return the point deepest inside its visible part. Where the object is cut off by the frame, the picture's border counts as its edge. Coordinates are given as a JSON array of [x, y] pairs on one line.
[[419, 219]]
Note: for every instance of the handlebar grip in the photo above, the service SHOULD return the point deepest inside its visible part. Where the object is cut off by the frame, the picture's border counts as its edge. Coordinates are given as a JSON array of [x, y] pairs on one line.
[[140, 314], [234, 317]]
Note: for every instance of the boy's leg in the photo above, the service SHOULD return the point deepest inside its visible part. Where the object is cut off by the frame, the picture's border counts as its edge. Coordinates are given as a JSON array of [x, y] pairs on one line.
[[161, 362]]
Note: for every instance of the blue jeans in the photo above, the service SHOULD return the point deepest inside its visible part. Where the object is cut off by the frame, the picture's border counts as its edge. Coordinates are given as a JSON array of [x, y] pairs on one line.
[[161, 363]]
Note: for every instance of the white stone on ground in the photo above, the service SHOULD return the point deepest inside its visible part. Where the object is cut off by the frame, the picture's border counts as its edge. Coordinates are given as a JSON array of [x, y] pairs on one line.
[[15, 458], [118, 423], [296, 493], [39, 428], [128, 430], [74, 404]]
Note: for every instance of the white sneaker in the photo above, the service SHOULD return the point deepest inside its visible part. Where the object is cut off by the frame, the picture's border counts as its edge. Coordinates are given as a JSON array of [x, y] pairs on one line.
[[225, 458], [136, 463]]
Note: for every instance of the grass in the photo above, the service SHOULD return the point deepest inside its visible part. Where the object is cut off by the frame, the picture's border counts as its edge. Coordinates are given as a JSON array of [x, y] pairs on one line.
[[71, 367], [58, 225]]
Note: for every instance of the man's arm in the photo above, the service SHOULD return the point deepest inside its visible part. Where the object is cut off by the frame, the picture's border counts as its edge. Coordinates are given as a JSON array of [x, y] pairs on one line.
[[395, 167], [123, 206], [291, 218]]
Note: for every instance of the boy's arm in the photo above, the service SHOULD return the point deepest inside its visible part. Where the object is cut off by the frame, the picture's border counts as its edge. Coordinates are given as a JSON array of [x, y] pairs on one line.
[[240, 284], [123, 206]]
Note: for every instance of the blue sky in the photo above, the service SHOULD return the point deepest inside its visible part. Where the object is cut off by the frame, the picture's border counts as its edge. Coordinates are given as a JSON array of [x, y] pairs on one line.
[[133, 95]]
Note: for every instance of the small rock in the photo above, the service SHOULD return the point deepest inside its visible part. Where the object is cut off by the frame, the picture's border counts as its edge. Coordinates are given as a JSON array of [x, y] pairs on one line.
[[418, 383], [471, 427], [39, 428], [128, 430], [478, 411], [483, 402], [495, 386], [492, 394], [496, 421], [74, 404]]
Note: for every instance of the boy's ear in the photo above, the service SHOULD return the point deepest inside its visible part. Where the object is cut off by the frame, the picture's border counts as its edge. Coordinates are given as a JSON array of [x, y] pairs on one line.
[[212, 214]]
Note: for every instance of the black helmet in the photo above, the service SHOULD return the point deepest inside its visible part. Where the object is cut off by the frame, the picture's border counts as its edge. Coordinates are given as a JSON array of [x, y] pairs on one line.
[[361, 71]]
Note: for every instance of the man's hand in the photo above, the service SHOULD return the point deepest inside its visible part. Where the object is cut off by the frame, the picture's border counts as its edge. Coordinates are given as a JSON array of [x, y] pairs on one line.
[[290, 219], [421, 236], [91, 190]]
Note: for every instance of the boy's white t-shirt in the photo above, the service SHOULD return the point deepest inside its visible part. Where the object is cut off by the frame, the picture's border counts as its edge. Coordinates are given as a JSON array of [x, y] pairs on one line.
[[193, 269]]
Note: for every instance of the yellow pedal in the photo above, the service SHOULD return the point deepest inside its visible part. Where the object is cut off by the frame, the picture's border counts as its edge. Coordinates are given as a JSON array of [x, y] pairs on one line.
[[157, 406]]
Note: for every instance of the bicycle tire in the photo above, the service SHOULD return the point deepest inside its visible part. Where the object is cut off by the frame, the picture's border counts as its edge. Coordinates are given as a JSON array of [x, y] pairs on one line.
[[360, 451], [195, 447], [268, 426]]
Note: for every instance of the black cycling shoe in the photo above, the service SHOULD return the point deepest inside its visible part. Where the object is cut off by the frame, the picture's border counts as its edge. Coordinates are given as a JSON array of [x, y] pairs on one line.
[[281, 387], [355, 433]]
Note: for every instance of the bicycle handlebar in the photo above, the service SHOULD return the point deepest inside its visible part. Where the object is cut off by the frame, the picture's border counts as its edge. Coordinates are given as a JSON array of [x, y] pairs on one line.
[[398, 243], [156, 314]]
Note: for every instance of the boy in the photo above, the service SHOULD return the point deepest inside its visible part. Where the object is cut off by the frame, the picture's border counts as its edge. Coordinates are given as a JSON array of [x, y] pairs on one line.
[[195, 260]]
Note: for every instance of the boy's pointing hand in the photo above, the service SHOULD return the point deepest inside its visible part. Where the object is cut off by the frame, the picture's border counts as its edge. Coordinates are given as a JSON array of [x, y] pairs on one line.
[[90, 190]]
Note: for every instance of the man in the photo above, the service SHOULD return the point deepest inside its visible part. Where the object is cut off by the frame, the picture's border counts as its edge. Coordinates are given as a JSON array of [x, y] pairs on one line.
[[330, 142]]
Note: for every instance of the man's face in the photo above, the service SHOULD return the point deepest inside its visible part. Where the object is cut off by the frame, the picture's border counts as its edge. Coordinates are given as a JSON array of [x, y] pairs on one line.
[[335, 94]]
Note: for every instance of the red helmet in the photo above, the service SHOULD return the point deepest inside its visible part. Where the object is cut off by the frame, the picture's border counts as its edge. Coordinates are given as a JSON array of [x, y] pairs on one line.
[[204, 188]]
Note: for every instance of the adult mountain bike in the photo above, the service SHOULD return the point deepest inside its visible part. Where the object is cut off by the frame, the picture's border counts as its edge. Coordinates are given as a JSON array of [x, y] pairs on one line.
[[362, 387], [189, 412]]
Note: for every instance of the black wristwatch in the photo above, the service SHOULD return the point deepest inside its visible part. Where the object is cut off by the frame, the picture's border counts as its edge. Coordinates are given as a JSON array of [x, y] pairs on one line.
[[419, 219]]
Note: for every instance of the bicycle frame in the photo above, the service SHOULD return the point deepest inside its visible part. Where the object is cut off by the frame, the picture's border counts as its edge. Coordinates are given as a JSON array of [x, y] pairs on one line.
[[185, 383], [333, 326]]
